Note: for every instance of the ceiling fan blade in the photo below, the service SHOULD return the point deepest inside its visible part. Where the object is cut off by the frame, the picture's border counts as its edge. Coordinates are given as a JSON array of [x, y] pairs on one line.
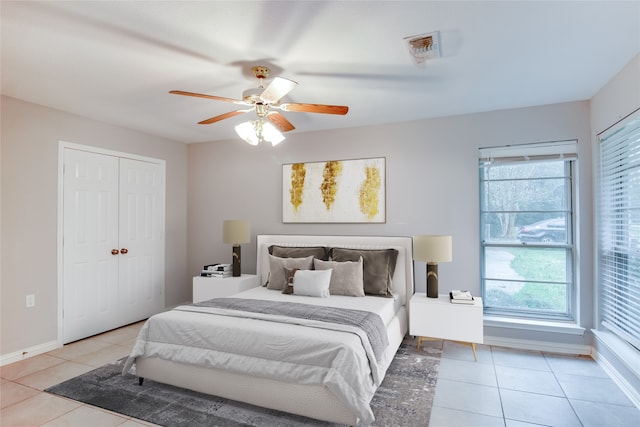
[[280, 121], [315, 108], [224, 116], [202, 95], [278, 88]]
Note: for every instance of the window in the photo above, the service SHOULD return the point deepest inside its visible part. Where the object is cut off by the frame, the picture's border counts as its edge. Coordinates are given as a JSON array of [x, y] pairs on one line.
[[619, 231], [526, 230]]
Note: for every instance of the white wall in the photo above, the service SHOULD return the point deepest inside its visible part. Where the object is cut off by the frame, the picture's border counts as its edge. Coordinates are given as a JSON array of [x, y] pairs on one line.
[[618, 98], [29, 179], [432, 186]]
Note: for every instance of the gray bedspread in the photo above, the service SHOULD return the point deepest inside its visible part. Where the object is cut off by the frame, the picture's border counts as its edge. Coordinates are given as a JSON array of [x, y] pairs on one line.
[[370, 323]]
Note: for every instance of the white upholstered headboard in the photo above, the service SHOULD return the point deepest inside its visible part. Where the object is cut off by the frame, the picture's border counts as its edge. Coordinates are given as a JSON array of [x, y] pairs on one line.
[[402, 278]]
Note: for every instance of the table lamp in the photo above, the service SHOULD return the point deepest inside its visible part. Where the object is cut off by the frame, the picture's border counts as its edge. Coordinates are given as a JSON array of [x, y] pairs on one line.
[[236, 232], [432, 250]]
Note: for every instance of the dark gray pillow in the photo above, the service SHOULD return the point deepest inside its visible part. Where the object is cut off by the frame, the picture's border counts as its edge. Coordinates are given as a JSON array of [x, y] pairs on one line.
[[378, 267], [320, 252], [346, 278], [278, 265]]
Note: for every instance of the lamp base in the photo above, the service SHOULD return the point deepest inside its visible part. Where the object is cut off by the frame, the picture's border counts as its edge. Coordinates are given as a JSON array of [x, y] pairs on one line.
[[432, 280], [236, 261]]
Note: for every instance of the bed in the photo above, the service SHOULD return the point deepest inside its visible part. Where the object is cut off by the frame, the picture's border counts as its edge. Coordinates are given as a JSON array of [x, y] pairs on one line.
[[300, 381]]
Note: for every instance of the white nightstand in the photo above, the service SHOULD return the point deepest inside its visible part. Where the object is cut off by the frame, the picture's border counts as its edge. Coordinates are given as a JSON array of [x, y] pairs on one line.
[[440, 319], [205, 288]]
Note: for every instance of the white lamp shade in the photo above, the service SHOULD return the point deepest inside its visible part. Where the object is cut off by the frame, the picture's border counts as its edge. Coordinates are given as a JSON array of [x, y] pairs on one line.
[[247, 132], [271, 134], [254, 131], [429, 248], [236, 231]]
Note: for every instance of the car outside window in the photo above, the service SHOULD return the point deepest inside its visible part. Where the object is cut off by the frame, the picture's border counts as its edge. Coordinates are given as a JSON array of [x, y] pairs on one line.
[[547, 231]]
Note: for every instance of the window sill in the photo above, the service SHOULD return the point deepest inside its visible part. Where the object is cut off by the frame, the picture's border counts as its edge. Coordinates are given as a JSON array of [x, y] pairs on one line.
[[533, 325]]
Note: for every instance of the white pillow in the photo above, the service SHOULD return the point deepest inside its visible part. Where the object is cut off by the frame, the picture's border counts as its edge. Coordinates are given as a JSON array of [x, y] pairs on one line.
[[312, 283]]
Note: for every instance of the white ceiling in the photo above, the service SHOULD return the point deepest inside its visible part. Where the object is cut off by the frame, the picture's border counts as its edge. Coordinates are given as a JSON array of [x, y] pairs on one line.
[[115, 61]]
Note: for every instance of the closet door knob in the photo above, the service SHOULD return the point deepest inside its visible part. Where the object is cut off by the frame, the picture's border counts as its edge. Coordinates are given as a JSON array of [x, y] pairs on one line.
[[124, 250], [114, 252]]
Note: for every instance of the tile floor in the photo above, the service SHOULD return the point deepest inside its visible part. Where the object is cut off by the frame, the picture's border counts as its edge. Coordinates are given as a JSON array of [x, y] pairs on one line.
[[24, 404], [505, 387], [516, 388]]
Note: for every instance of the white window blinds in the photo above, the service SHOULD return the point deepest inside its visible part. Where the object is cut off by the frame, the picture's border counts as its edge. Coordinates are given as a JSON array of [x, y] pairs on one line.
[[619, 230]]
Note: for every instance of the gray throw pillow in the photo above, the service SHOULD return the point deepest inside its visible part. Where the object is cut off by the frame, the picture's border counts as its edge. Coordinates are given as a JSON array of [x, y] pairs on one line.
[[378, 267], [346, 279], [288, 275], [320, 252], [277, 266]]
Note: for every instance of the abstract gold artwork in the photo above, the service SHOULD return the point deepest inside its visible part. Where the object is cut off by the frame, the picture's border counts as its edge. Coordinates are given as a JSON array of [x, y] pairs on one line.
[[347, 191], [298, 173], [369, 192], [329, 186]]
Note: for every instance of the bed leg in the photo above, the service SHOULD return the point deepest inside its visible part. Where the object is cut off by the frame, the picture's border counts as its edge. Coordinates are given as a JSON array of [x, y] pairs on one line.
[[140, 380]]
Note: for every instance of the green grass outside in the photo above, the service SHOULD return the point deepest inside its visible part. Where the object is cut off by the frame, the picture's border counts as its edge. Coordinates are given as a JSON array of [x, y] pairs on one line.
[[536, 264]]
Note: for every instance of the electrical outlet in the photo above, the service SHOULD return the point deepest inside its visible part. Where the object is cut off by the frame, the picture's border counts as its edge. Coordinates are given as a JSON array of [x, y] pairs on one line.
[[31, 300]]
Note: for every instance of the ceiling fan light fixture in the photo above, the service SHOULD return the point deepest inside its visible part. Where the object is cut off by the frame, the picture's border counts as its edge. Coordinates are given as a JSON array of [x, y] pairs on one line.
[[272, 134], [256, 131], [424, 46], [247, 131]]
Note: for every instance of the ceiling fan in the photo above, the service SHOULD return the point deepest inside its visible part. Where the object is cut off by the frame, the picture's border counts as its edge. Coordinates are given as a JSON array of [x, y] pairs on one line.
[[264, 101]]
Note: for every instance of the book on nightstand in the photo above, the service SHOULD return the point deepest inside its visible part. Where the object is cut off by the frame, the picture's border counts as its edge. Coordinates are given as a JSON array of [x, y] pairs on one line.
[[217, 267], [218, 274], [461, 297], [216, 270]]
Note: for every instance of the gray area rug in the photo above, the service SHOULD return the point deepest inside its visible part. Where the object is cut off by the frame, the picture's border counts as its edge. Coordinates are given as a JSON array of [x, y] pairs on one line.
[[404, 398]]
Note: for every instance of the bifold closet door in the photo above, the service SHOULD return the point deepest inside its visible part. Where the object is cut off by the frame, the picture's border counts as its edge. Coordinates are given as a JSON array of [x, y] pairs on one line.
[[141, 237], [91, 187], [113, 245]]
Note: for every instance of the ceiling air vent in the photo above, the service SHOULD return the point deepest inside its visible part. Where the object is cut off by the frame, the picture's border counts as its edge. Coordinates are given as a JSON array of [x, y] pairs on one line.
[[424, 46]]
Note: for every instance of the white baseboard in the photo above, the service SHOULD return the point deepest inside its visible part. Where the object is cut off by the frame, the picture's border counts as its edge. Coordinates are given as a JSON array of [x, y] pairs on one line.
[[620, 361], [551, 347], [17, 356], [625, 386]]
